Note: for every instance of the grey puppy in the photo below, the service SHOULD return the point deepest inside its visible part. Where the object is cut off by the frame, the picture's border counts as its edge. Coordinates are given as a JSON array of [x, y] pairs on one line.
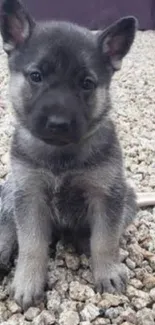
[[67, 178]]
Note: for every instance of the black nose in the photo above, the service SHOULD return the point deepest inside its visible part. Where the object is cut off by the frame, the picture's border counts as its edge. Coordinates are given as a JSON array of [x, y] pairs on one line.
[[57, 124]]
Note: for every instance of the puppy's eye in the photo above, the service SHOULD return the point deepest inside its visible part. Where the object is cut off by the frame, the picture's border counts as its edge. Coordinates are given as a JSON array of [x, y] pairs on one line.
[[36, 76], [88, 84]]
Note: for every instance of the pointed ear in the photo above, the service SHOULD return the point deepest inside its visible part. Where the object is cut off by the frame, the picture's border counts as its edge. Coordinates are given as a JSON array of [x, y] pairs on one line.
[[16, 24], [115, 41]]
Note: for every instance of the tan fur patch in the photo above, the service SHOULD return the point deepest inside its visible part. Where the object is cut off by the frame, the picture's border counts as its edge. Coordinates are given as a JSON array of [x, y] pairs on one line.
[[19, 89], [102, 100]]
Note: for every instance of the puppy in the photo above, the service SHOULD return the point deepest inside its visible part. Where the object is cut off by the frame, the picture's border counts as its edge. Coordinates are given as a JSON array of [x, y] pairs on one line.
[[67, 177]]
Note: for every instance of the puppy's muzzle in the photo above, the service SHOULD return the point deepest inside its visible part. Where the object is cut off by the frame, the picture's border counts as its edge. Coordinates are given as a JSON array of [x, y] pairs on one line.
[[57, 124]]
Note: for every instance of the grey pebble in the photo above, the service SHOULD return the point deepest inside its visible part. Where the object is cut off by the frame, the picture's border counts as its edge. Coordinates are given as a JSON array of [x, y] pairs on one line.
[[69, 318], [90, 312], [31, 313]]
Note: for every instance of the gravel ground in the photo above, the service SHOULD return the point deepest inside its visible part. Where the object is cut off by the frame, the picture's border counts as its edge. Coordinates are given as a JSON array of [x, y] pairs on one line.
[[70, 296]]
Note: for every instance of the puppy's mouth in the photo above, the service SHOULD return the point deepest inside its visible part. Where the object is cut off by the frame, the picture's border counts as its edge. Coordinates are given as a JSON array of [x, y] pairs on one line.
[[59, 140]]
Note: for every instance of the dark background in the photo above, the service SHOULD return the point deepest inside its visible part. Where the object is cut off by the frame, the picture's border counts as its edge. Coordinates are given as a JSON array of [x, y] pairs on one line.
[[94, 13]]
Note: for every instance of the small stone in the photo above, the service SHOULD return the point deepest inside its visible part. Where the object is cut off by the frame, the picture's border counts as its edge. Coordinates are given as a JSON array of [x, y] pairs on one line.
[[135, 254], [131, 273], [84, 261], [123, 254], [112, 313], [126, 323], [45, 318], [3, 171], [136, 283], [110, 300], [2, 308], [72, 261], [59, 262], [80, 292], [140, 299], [5, 159], [85, 323], [69, 318], [146, 253], [130, 231], [147, 243], [3, 294], [60, 249], [90, 312], [52, 280], [13, 307], [131, 264], [132, 291], [31, 313], [69, 305], [24, 322], [140, 273], [101, 321], [61, 288], [123, 243], [128, 315], [4, 314], [95, 299], [145, 317], [87, 276], [69, 277], [152, 294], [53, 300], [139, 303], [152, 263], [13, 322], [143, 233], [16, 319], [149, 281]]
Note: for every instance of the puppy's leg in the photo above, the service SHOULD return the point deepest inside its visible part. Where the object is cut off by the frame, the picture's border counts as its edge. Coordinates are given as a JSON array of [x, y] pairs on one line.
[[34, 229], [130, 206], [106, 228], [8, 236]]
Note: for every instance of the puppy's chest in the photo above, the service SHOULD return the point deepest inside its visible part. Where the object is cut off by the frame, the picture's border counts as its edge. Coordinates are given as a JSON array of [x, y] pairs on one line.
[[68, 202]]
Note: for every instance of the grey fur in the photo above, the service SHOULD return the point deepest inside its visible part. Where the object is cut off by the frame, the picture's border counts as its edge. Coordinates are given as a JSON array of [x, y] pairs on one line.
[[67, 180]]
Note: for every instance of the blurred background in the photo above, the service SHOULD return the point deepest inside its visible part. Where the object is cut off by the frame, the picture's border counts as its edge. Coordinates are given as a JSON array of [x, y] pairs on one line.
[[94, 13]]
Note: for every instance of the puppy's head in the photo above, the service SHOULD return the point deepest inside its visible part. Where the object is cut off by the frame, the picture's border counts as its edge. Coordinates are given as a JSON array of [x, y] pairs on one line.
[[60, 72]]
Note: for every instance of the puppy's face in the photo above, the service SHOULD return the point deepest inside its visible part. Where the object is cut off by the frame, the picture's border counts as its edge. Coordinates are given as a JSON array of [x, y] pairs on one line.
[[60, 72]]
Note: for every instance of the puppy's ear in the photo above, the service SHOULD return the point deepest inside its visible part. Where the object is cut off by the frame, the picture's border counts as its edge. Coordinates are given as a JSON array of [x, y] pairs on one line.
[[16, 24], [115, 41]]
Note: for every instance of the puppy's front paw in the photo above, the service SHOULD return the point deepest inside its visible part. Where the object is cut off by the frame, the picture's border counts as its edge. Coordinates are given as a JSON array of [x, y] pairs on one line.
[[28, 286], [111, 278]]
